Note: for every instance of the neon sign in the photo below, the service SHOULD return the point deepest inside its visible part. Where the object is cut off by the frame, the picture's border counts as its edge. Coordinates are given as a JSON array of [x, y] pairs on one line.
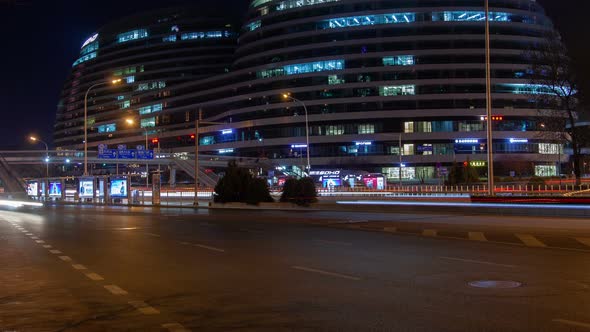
[[90, 40]]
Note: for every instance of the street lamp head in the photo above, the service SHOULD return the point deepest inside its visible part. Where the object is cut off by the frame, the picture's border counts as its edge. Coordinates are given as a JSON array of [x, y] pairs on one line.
[[129, 121], [116, 81], [33, 138], [286, 95]]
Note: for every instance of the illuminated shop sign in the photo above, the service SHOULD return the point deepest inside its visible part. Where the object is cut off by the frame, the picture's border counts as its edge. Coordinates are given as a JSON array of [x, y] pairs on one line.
[[519, 140], [322, 173], [298, 146], [363, 143], [90, 40]]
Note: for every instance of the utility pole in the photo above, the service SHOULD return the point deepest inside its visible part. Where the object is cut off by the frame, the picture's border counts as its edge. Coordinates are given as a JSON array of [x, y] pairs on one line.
[[489, 141]]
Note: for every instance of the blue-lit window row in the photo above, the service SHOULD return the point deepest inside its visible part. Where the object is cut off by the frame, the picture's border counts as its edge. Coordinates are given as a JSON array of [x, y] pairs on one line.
[[107, 128], [92, 47], [85, 58], [289, 4], [400, 60], [132, 35], [148, 122], [253, 25], [354, 21], [150, 109], [397, 90], [302, 68], [448, 16], [530, 89], [205, 34], [169, 39]]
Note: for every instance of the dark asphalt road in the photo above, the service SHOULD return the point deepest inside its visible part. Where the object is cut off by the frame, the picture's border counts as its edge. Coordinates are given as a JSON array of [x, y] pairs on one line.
[[119, 269]]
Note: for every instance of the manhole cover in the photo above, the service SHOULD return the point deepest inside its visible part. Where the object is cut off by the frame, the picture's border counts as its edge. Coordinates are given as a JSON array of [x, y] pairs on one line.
[[495, 284]]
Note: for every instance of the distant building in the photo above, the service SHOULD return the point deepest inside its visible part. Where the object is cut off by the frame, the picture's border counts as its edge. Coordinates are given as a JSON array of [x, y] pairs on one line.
[[367, 71]]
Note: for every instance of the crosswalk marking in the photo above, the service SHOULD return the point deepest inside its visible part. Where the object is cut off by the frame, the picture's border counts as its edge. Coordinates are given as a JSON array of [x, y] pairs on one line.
[[584, 240], [530, 241], [477, 236]]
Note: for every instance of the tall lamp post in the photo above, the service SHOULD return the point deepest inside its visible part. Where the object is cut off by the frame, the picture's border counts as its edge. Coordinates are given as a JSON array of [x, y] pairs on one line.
[[489, 137], [147, 167], [288, 96], [86, 120], [35, 139]]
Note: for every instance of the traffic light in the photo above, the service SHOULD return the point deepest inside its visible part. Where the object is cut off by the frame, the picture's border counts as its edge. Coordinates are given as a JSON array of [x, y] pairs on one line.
[[465, 164], [192, 136], [155, 140]]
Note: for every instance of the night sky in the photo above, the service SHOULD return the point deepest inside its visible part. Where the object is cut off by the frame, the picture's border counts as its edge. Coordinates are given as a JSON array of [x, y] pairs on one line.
[[41, 39]]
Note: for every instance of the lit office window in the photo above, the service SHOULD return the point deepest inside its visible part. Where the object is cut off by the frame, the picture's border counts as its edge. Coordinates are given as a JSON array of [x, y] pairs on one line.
[[334, 130], [400, 60], [397, 90], [460, 16], [169, 39], [125, 104], [85, 58], [408, 127], [530, 89], [254, 25], [151, 86], [132, 35], [107, 128], [148, 122], [335, 79], [353, 21], [367, 128], [313, 67], [89, 48], [205, 35], [257, 3], [130, 79], [549, 148], [270, 73], [150, 109], [289, 4]]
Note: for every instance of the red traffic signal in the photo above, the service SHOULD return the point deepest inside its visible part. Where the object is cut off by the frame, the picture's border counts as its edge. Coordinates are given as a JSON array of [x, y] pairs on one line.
[[465, 164], [155, 140], [192, 136]]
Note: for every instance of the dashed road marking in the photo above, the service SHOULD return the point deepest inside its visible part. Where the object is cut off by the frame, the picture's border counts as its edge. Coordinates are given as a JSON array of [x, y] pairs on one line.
[[29, 234], [208, 247], [334, 242], [144, 308], [39, 241], [79, 267], [477, 236], [94, 276], [584, 240], [327, 273], [476, 261], [115, 290], [65, 258], [34, 238], [429, 232], [175, 327], [572, 323], [47, 246], [530, 241], [55, 251]]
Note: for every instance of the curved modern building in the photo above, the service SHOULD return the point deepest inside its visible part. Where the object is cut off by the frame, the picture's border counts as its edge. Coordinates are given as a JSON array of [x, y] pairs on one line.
[[151, 54], [384, 83]]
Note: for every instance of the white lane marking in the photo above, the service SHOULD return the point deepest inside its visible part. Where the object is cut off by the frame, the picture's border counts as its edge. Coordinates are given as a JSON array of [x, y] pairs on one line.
[[429, 232], [476, 261], [530, 241], [54, 251], [572, 323], [39, 241], [175, 327], [29, 234], [154, 235], [584, 240], [208, 247], [125, 228], [115, 290], [34, 238], [477, 236], [65, 258], [390, 229], [328, 273], [47, 246], [94, 276], [144, 308], [79, 267], [334, 242]]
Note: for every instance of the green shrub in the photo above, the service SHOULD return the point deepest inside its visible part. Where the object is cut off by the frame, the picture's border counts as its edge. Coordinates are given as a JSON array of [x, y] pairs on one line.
[[238, 185], [301, 192]]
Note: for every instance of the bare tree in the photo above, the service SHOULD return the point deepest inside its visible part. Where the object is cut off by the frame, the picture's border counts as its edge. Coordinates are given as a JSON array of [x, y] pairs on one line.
[[554, 86]]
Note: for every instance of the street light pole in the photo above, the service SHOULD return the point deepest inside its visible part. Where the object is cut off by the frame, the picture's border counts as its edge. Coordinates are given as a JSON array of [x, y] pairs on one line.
[[489, 138], [86, 120], [288, 96], [35, 139], [198, 122]]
